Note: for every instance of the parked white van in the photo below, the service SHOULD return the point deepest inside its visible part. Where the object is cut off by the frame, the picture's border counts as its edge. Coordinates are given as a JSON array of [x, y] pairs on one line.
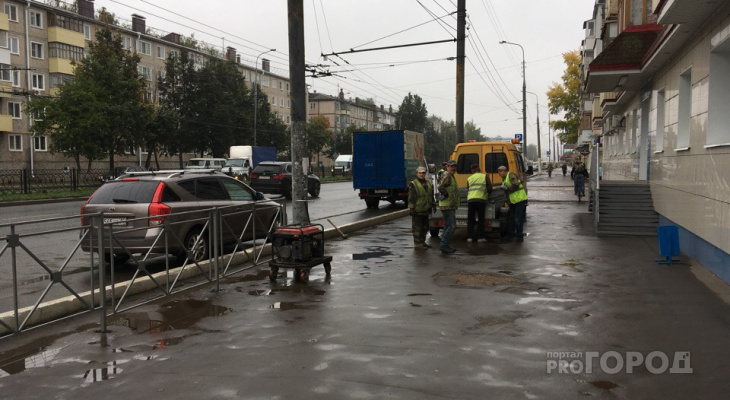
[[343, 165], [206, 163]]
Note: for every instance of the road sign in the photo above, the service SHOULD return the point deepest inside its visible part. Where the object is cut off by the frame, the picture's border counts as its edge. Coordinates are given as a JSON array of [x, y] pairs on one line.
[[518, 136], [585, 152]]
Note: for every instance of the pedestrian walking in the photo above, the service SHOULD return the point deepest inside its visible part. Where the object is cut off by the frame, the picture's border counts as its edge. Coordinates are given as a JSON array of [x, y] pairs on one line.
[[579, 174], [517, 198], [565, 168], [448, 204], [420, 202], [479, 187], [550, 170]]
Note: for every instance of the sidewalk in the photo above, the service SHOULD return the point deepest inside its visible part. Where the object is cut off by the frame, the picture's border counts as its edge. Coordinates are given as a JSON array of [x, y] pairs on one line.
[[489, 321]]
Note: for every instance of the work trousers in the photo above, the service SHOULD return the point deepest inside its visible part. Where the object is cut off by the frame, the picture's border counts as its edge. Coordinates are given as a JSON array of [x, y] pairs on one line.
[[419, 227], [449, 226], [475, 216]]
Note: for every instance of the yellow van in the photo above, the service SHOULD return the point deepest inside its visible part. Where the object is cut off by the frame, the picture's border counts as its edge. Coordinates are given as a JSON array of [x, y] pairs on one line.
[[489, 156]]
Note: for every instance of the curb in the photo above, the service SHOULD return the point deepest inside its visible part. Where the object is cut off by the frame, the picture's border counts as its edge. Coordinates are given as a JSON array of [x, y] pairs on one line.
[[69, 305]]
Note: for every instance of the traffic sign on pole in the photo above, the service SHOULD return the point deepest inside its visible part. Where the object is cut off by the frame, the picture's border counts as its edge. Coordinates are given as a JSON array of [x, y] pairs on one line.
[[518, 136]]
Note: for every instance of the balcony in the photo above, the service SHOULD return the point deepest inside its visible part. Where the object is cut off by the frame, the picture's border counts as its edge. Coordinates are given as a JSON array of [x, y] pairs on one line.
[[61, 35], [4, 23], [620, 64], [60, 65], [6, 123]]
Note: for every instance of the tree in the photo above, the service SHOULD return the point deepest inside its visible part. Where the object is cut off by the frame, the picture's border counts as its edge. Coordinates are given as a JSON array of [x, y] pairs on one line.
[[344, 139], [319, 135], [412, 114], [472, 132], [100, 111], [565, 98]]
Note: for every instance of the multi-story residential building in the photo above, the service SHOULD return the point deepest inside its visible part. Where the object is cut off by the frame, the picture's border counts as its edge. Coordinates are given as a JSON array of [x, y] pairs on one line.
[[342, 112], [656, 85], [38, 40]]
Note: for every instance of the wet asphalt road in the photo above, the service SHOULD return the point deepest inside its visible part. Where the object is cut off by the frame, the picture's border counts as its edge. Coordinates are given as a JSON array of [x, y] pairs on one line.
[[394, 322]]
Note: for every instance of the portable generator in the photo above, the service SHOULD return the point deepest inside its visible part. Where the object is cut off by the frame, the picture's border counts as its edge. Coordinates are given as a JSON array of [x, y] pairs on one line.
[[300, 247]]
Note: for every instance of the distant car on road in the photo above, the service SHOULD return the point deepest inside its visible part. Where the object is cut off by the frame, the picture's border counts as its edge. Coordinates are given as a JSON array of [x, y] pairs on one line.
[[206, 163], [138, 204], [275, 177]]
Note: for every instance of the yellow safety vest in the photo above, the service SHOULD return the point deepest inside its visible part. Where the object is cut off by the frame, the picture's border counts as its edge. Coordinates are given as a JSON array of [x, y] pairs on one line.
[[477, 186], [452, 201], [518, 195], [422, 196]]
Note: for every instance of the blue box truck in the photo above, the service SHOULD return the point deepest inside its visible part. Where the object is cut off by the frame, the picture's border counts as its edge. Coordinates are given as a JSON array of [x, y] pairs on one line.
[[384, 162]]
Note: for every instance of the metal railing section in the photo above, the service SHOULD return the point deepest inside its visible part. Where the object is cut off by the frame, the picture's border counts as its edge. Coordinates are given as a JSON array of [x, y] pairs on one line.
[[222, 241]]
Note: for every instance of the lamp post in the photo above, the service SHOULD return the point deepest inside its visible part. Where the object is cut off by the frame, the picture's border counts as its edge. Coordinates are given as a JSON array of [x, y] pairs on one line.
[[539, 149], [256, 93], [524, 96]]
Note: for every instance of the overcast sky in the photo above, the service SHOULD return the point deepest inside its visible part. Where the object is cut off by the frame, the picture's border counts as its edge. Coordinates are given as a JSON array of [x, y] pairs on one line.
[[493, 83]]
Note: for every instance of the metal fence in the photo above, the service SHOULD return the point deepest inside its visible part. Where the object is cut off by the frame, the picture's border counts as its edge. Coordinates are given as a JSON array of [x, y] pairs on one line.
[[38, 286], [39, 180]]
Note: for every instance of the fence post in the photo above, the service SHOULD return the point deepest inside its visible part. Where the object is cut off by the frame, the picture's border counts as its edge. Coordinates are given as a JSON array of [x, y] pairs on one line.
[[102, 268], [24, 176], [74, 179]]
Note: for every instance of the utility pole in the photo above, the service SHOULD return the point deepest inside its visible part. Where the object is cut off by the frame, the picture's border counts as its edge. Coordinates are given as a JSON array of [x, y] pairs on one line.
[[460, 55], [300, 164]]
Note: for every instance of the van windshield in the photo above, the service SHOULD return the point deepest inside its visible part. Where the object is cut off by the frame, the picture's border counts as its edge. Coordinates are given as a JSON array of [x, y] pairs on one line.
[[341, 163], [196, 163], [234, 163]]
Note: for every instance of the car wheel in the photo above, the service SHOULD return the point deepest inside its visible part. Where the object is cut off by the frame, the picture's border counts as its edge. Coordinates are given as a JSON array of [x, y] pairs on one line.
[[199, 250], [119, 259], [314, 191], [372, 203]]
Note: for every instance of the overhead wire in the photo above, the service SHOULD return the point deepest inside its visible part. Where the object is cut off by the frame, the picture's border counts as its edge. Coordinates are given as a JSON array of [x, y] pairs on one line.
[[486, 53]]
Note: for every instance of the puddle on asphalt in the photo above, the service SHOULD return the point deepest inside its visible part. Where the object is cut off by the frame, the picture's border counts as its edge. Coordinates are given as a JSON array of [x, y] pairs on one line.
[[606, 385], [288, 305], [415, 304], [373, 252], [487, 250], [174, 315], [36, 354], [306, 289], [258, 276], [103, 373], [419, 294]]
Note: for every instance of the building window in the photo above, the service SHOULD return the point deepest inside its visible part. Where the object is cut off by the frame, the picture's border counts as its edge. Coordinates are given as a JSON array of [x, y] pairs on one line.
[[144, 72], [126, 42], [36, 50], [265, 80], [16, 142], [144, 48], [5, 72], [36, 19], [12, 11], [65, 51], [273, 100], [273, 82], [719, 95], [87, 32], [55, 79], [40, 143], [685, 110], [281, 102], [312, 106], [659, 136], [14, 110], [634, 131], [160, 52], [39, 82], [288, 103], [174, 54], [15, 78], [14, 45], [288, 119]]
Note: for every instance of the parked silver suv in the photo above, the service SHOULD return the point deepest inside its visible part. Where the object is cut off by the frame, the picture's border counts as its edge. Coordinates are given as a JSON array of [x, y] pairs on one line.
[[136, 206]]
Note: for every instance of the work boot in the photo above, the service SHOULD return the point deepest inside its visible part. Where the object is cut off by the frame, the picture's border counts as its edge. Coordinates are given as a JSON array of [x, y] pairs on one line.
[[425, 245], [447, 249], [482, 240], [469, 240]]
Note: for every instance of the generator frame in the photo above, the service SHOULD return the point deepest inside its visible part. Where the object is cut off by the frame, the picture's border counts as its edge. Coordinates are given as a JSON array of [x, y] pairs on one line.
[[304, 235]]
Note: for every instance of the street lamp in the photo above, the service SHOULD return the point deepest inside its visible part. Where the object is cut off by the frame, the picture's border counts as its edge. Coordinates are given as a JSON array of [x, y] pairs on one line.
[[256, 93], [539, 149], [524, 96]]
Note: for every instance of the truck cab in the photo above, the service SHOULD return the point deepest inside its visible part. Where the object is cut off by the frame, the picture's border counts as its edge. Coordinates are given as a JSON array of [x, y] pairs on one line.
[[239, 168]]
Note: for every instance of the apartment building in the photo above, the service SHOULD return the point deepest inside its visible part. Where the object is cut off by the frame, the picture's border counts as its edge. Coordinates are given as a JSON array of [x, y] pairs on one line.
[[656, 85], [342, 112], [38, 40]]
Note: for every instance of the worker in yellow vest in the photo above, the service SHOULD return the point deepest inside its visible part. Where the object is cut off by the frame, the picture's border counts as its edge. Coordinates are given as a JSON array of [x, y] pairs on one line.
[[420, 203], [479, 187], [517, 197]]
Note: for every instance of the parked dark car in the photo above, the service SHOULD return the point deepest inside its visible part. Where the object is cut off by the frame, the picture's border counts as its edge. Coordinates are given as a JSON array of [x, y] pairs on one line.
[[165, 195], [275, 177]]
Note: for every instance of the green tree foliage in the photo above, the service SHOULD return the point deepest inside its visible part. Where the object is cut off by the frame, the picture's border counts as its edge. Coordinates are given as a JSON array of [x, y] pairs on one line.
[[102, 110], [472, 132], [178, 95], [344, 139], [565, 98], [412, 114], [319, 135]]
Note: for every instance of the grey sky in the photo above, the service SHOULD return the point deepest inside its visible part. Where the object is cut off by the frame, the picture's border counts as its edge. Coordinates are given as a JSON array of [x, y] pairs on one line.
[[545, 29]]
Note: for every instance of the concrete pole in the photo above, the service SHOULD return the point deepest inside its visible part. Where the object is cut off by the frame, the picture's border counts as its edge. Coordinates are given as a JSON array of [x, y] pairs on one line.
[[300, 215], [460, 55]]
